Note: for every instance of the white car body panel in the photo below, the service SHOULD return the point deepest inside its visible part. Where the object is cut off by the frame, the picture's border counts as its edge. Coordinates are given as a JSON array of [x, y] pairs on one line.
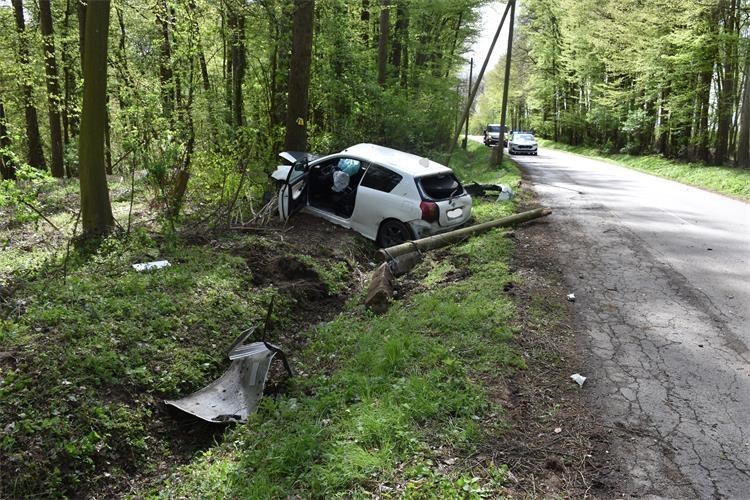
[[281, 173]]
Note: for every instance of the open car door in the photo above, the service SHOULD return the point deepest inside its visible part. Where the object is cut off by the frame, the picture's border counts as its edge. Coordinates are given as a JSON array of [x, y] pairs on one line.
[[293, 194]]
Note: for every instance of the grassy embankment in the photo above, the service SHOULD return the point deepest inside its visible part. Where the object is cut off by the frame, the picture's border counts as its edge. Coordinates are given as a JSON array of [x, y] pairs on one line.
[[90, 348], [733, 182], [387, 401]]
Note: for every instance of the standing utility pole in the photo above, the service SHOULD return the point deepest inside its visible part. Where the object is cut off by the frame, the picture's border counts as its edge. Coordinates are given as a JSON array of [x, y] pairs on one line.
[[466, 133], [507, 77], [474, 91]]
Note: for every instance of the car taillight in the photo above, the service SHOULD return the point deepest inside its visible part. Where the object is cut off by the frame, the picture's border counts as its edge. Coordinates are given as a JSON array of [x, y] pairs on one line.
[[430, 211]]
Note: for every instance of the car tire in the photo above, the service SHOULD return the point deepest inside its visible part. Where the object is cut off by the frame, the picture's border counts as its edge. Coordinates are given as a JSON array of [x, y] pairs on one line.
[[393, 232]]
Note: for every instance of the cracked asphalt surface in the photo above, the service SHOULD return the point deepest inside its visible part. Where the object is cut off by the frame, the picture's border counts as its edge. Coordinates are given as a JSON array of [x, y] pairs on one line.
[[661, 275]]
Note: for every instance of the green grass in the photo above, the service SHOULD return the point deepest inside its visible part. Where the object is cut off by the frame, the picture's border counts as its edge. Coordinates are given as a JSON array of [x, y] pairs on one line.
[[733, 182], [472, 165], [94, 353]]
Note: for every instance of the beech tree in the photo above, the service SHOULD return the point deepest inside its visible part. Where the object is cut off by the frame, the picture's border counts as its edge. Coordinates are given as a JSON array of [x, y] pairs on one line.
[[54, 99], [96, 211], [299, 76], [7, 167], [35, 153]]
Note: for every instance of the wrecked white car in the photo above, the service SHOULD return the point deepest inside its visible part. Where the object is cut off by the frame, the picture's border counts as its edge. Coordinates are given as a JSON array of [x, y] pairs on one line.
[[386, 195]]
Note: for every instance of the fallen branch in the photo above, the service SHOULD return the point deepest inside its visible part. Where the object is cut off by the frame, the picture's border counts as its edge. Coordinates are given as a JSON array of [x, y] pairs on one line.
[[40, 214]]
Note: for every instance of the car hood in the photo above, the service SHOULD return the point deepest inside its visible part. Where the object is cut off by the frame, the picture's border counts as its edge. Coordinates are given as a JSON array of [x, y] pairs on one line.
[[524, 142], [291, 157]]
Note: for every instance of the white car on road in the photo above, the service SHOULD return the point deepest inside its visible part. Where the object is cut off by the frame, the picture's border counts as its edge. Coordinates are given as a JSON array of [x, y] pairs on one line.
[[522, 143], [386, 195]]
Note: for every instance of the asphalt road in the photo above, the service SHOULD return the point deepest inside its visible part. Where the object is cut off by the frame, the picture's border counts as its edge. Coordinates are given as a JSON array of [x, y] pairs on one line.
[[661, 276]]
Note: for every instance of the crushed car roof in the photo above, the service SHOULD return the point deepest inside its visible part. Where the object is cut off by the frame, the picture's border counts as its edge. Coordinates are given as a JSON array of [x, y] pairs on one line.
[[406, 163]]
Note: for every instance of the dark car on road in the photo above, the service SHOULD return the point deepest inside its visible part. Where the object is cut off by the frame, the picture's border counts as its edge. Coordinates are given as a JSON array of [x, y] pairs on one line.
[[492, 134]]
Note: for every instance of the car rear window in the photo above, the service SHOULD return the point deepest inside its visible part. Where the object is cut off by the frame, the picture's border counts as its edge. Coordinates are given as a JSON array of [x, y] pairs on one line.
[[441, 186], [381, 178]]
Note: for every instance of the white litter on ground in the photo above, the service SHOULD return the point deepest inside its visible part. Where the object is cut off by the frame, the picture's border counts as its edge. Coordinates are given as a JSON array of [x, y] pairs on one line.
[[578, 378], [150, 266]]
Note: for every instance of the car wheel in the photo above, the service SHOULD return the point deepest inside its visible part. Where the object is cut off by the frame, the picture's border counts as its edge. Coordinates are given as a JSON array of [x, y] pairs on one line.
[[393, 232]]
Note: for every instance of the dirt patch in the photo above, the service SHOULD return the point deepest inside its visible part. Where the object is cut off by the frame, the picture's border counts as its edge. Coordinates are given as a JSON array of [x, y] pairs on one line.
[[289, 275], [554, 446]]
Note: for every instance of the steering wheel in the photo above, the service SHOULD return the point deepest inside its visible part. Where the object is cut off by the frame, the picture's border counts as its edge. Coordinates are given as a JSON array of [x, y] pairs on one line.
[[326, 169]]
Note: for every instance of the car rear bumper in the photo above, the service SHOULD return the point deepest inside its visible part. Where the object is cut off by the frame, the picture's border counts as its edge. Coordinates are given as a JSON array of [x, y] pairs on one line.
[[422, 229]]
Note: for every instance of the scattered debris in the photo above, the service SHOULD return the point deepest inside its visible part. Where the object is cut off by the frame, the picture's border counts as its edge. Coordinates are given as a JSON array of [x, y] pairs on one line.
[[558, 430], [571, 297], [502, 191], [578, 379], [235, 395], [150, 266]]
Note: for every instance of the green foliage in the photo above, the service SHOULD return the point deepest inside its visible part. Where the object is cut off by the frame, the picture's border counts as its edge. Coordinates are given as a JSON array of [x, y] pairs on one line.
[[19, 196], [110, 343], [628, 76]]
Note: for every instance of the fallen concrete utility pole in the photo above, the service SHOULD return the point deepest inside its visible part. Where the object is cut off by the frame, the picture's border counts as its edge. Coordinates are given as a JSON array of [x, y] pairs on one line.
[[445, 239], [400, 259]]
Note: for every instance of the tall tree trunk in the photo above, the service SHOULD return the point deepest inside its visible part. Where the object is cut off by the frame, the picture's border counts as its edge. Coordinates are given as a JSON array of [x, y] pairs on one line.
[[404, 70], [299, 76], [7, 167], [227, 29], [81, 10], [704, 153], [96, 210], [364, 16], [383, 41], [107, 140], [166, 75], [725, 103], [662, 142], [35, 154], [238, 66], [743, 142], [456, 32], [53, 88], [399, 38], [70, 72], [280, 65]]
